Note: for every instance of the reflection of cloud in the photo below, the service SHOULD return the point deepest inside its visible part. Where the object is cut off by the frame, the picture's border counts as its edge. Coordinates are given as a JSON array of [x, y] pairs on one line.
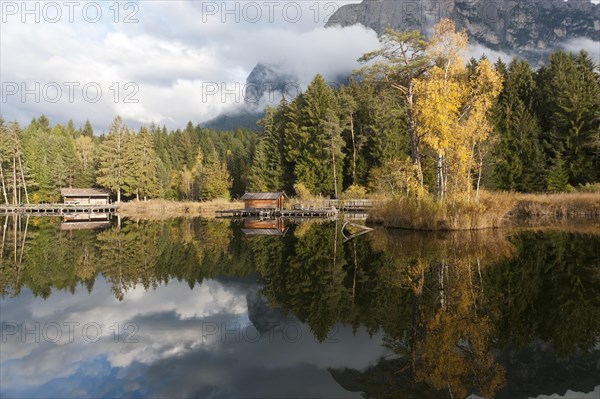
[[198, 340]]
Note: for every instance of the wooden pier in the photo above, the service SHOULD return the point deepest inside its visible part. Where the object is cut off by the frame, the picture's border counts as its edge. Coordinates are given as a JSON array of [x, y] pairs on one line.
[[274, 213], [56, 209], [317, 208]]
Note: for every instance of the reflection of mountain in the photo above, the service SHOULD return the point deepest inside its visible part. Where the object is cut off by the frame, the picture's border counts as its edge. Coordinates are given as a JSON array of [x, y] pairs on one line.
[[530, 372], [264, 317], [465, 310], [536, 370]]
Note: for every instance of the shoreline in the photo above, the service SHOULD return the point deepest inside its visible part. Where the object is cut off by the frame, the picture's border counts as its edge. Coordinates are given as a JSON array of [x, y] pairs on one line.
[[164, 209], [495, 210]]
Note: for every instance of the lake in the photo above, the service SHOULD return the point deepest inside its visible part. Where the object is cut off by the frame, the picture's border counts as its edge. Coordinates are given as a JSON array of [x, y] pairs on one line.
[[270, 309]]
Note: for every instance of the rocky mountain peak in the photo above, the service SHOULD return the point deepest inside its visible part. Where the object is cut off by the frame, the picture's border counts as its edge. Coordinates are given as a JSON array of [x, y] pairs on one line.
[[530, 29]]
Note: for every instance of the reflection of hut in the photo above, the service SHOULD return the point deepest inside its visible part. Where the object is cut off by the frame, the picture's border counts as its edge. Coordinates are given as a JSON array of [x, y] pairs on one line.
[[264, 200], [84, 196], [267, 227], [85, 221]]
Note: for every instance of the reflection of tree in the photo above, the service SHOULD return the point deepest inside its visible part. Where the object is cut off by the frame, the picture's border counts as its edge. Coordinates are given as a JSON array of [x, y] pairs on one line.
[[137, 253], [445, 302], [551, 291], [468, 293], [12, 248], [46, 258], [147, 253], [449, 337], [309, 281]]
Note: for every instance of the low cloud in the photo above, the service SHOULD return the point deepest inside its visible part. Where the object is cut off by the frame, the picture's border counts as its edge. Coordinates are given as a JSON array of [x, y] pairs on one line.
[[158, 68]]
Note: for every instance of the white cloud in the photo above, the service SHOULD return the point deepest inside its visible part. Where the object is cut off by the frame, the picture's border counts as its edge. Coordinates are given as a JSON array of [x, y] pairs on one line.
[[172, 321], [169, 54]]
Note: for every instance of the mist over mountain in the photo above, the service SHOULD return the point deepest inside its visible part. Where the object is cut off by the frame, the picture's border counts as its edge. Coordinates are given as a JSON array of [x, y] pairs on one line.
[[529, 29]]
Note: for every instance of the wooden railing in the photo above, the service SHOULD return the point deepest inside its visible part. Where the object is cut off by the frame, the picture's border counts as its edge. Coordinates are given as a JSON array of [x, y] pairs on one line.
[[342, 205], [50, 209]]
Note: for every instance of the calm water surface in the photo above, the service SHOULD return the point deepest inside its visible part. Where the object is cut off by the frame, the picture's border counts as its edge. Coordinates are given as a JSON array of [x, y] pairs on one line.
[[197, 308]]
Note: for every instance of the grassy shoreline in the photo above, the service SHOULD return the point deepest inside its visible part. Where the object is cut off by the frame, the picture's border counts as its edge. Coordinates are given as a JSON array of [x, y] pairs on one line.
[[163, 209], [494, 210]]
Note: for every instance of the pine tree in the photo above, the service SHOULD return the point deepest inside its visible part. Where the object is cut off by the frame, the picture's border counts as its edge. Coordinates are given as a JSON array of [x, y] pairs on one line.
[[112, 164], [558, 178], [215, 181], [569, 107], [520, 159], [85, 151], [267, 170], [315, 146], [401, 60], [141, 179], [87, 129]]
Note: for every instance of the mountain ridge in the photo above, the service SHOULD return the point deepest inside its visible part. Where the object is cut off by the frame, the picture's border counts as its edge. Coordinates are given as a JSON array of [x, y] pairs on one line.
[[531, 29]]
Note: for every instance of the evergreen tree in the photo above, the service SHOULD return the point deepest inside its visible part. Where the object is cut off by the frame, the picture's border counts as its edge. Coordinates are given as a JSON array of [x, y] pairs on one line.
[[215, 181], [85, 150], [314, 146], [558, 178], [141, 179], [87, 129], [520, 159], [112, 165], [267, 171], [401, 60], [569, 107]]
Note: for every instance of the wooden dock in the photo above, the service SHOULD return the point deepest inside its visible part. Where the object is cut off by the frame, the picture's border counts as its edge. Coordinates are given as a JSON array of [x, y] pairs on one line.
[[56, 209], [274, 213]]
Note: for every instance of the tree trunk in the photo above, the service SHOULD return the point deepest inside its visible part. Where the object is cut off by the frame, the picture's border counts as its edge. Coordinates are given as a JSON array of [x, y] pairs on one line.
[[3, 238], [4, 194], [353, 150], [118, 195], [479, 175], [413, 137], [469, 182], [14, 181], [439, 180], [23, 178], [335, 188]]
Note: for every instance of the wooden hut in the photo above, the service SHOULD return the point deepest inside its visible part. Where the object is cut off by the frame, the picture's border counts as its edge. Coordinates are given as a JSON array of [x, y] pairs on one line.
[[266, 227], [271, 201], [85, 196]]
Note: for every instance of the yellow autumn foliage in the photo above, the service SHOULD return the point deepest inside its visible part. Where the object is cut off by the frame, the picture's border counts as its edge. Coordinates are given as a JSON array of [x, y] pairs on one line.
[[452, 109]]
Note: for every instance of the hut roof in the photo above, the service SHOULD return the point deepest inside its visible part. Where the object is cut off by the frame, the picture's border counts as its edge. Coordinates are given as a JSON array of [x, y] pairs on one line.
[[263, 196], [263, 232], [83, 192]]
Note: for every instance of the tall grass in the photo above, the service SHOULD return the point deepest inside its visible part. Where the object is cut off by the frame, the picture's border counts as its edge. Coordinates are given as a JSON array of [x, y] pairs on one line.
[[163, 209], [492, 211]]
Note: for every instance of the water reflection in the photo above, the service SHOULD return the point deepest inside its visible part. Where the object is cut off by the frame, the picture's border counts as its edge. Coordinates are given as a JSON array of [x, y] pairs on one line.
[[387, 314]]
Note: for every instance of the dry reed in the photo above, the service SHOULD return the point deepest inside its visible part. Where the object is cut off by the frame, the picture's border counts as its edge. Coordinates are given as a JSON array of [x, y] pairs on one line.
[[163, 209], [494, 210]]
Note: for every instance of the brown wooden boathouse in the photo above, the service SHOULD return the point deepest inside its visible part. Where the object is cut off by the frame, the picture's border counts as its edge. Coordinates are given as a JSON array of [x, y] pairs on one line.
[[271, 201], [84, 196]]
